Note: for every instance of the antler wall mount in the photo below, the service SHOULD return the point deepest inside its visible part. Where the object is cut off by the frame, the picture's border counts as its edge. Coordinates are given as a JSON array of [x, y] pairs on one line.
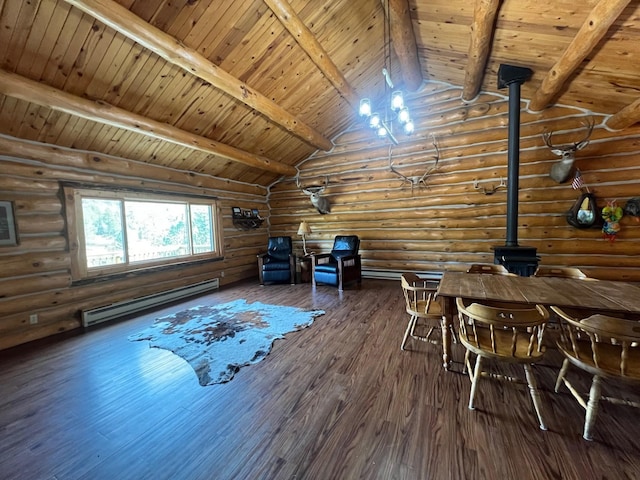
[[416, 180], [491, 190]]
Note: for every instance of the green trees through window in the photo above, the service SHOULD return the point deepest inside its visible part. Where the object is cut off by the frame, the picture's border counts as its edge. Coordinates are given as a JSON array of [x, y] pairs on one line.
[[123, 230], [103, 232]]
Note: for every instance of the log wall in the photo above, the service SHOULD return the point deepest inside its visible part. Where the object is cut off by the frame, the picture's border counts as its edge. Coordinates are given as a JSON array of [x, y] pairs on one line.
[[443, 223], [447, 223], [35, 277]]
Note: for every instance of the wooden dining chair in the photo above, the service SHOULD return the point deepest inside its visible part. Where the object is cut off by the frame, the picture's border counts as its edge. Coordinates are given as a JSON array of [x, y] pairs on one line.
[[506, 333], [563, 272], [603, 346], [558, 272], [489, 268], [422, 306]]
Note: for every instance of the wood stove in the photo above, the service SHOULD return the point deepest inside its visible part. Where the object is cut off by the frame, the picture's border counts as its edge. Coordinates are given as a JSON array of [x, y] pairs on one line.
[[520, 260], [517, 259]]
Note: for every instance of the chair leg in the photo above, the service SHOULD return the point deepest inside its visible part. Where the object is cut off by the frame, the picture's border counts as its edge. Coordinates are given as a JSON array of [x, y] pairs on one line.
[[592, 408], [453, 333], [474, 382], [561, 374], [414, 322], [464, 362], [535, 394], [410, 327], [466, 367]]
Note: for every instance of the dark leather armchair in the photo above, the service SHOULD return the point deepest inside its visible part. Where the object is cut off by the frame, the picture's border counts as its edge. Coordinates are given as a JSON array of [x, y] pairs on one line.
[[339, 267], [278, 265]]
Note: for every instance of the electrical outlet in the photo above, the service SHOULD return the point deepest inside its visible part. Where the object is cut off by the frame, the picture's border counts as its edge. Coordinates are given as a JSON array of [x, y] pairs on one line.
[[33, 318], [221, 274]]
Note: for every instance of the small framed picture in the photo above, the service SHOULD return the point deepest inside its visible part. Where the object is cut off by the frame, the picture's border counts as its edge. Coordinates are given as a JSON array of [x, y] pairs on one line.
[[255, 213], [7, 225], [237, 212], [247, 213]]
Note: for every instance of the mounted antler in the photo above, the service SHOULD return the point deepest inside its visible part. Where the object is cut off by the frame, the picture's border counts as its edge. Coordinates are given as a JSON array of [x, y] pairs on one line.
[[490, 190], [321, 203], [416, 180], [561, 170]]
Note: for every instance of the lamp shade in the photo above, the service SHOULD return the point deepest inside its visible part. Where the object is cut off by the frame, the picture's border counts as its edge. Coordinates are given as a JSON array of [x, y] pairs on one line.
[[304, 228]]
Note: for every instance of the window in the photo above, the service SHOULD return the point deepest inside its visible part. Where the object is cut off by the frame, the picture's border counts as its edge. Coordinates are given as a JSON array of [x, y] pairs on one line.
[[120, 231]]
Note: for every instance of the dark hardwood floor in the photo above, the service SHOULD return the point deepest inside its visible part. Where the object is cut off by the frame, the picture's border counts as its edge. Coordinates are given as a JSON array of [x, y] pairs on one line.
[[338, 400]]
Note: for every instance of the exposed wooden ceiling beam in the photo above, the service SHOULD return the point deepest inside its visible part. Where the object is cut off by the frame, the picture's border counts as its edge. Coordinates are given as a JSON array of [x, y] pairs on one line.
[[591, 32], [113, 165], [484, 16], [25, 89], [310, 44], [404, 43], [172, 50], [625, 117]]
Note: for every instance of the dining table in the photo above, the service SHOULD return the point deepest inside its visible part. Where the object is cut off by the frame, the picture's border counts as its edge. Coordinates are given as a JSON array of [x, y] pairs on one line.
[[601, 296]]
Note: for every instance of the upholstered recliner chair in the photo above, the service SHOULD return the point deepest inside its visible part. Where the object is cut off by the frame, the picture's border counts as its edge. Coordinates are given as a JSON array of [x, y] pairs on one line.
[[278, 265], [339, 267]]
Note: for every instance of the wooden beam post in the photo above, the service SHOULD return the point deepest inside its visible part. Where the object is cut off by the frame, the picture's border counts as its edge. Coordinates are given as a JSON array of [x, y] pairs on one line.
[[590, 33], [25, 89], [404, 43], [484, 16], [55, 155], [310, 44], [625, 117], [172, 50]]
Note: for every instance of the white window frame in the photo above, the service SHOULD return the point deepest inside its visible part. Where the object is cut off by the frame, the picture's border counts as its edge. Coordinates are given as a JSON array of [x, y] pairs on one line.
[[75, 228]]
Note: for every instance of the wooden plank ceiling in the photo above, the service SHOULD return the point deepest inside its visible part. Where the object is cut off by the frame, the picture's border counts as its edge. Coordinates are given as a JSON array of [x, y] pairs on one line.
[[248, 89]]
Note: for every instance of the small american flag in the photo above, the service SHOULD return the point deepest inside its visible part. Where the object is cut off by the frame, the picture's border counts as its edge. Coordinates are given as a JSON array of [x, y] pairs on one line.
[[578, 182]]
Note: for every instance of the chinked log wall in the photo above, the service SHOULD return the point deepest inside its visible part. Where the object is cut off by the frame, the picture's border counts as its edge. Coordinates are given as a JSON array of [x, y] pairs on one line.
[[449, 224], [35, 276]]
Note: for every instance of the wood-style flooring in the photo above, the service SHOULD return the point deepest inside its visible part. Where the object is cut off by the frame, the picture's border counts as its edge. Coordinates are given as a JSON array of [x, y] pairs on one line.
[[338, 400]]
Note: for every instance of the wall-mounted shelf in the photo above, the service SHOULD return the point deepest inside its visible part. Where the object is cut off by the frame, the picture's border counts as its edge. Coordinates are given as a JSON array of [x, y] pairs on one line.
[[246, 219], [247, 223]]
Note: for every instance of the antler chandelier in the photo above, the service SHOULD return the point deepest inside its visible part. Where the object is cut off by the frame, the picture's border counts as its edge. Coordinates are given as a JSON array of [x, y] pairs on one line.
[[394, 107]]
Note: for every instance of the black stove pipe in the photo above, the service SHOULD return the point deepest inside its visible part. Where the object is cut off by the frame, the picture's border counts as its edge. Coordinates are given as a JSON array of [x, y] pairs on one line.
[[509, 75], [513, 168]]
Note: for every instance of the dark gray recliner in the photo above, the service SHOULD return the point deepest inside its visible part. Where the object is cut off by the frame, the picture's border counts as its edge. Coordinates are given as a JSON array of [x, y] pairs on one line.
[[278, 265], [341, 266]]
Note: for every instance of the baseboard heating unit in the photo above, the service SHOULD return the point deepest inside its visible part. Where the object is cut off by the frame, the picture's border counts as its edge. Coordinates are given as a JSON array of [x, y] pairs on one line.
[[396, 274], [120, 309]]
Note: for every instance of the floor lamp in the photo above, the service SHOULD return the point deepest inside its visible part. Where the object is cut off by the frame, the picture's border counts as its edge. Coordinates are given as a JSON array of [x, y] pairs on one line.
[[303, 230]]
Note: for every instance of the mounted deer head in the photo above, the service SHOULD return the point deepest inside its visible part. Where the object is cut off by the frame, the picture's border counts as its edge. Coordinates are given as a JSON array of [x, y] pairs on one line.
[[561, 170], [315, 194], [416, 180]]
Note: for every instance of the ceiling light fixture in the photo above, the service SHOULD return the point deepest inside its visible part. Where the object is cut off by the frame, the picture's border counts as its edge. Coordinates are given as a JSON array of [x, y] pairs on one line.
[[394, 107]]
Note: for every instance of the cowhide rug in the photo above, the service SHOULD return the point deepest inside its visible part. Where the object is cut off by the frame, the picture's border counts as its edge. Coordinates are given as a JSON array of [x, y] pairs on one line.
[[217, 340]]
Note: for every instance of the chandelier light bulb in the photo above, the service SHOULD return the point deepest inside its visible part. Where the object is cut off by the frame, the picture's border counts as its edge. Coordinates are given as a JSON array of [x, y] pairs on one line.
[[374, 120], [408, 127], [395, 111], [397, 101], [365, 107], [403, 115]]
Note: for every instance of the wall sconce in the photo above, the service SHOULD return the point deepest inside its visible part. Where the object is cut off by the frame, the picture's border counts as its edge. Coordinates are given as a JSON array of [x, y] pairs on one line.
[[304, 229]]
